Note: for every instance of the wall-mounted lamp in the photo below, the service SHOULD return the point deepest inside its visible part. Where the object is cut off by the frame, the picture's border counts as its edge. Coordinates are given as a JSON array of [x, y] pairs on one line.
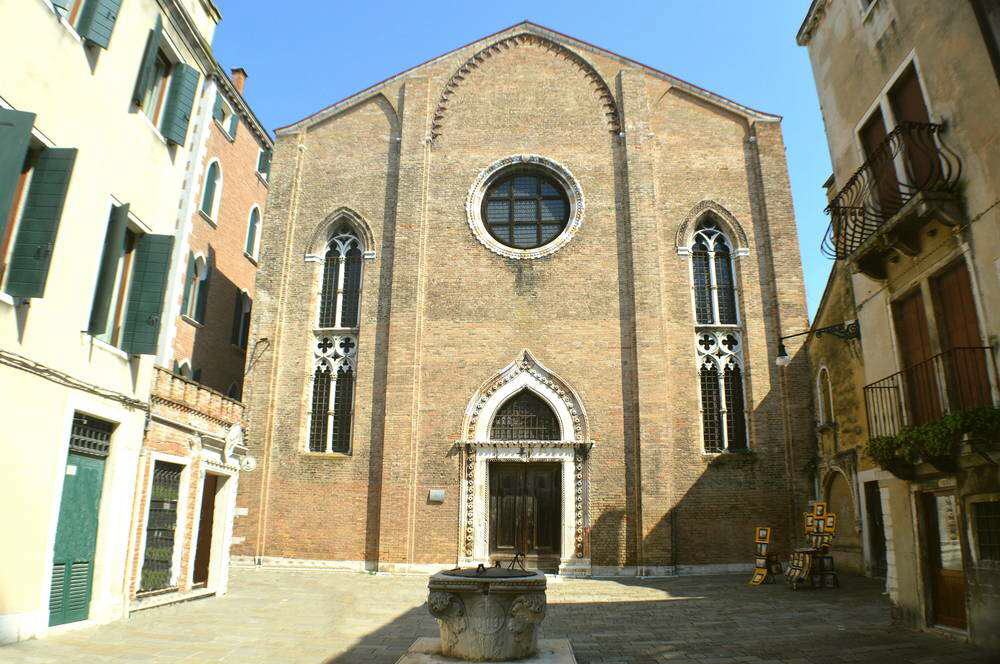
[[849, 329]]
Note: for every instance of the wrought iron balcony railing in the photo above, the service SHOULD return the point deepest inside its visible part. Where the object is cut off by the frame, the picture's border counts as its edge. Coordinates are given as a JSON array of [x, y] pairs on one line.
[[912, 159], [955, 380]]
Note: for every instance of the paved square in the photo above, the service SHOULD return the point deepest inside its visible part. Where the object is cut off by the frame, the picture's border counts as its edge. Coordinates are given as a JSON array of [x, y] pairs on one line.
[[339, 618]]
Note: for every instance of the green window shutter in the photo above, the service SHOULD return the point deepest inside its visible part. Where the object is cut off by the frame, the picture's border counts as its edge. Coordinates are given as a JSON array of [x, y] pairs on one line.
[[145, 297], [180, 98], [188, 283], [264, 162], [114, 244], [217, 112], [252, 232], [15, 137], [148, 66], [97, 20], [36, 235], [202, 302], [208, 196], [234, 124]]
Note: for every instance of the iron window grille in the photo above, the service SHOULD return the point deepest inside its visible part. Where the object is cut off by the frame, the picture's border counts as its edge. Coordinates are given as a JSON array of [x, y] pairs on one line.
[[986, 520], [161, 527], [525, 210], [341, 285], [718, 340], [90, 436], [525, 416], [332, 400]]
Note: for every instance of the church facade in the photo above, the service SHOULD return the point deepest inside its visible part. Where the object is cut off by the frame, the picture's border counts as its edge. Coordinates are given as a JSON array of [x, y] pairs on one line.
[[526, 298]]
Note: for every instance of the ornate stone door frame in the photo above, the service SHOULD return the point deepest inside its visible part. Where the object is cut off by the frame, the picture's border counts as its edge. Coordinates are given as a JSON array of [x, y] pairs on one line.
[[571, 452]]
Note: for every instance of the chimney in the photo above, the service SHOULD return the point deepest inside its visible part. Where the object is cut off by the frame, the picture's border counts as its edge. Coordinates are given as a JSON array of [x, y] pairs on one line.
[[239, 76]]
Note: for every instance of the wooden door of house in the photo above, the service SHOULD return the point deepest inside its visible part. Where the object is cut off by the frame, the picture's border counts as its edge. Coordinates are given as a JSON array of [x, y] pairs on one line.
[[964, 359], [76, 539], [920, 381], [881, 167], [203, 549], [943, 548], [525, 501]]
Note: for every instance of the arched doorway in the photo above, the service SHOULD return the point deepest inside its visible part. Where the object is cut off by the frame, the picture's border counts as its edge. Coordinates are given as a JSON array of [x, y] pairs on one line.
[[847, 554]]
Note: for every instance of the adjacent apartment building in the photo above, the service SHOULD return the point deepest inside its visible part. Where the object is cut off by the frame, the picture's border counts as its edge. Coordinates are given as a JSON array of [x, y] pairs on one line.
[[103, 138], [525, 298], [909, 92]]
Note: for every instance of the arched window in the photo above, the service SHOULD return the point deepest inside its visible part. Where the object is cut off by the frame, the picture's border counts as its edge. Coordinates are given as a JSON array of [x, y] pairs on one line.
[[718, 341], [713, 276], [253, 233], [212, 193], [332, 400], [341, 286], [196, 288], [525, 416], [824, 397]]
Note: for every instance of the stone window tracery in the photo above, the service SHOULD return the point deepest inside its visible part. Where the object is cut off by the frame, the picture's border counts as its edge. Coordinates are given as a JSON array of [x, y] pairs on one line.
[[336, 343], [718, 340]]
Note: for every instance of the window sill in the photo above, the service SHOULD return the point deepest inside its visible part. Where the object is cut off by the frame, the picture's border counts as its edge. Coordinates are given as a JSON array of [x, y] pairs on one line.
[[263, 180], [149, 123], [106, 347], [190, 321], [251, 259], [211, 222], [327, 455], [225, 132]]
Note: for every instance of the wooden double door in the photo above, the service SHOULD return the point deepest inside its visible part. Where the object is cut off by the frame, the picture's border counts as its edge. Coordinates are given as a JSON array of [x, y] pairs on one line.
[[946, 571], [525, 513]]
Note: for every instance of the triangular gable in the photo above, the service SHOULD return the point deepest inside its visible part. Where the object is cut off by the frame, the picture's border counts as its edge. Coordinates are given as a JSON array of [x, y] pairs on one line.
[[540, 31]]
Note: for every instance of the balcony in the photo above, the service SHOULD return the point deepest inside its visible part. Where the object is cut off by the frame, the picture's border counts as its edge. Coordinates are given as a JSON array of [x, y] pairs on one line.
[[909, 179], [955, 380]]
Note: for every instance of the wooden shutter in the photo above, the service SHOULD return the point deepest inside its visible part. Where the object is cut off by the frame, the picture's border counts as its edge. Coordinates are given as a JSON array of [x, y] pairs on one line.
[[36, 235], [145, 298], [958, 323], [217, 112], [880, 164], [148, 67], [15, 137], [208, 195], [188, 282], [97, 21], [264, 162], [907, 102], [919, 376], [180, 99], [201, 304], [114, 243], [234, 124]]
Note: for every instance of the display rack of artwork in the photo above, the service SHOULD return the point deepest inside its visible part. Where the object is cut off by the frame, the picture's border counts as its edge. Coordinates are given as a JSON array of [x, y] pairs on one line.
[[767, 565], [814, 563]]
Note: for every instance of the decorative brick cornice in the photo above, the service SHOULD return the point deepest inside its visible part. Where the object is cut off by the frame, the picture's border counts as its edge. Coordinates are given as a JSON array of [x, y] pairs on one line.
[[605, 97]]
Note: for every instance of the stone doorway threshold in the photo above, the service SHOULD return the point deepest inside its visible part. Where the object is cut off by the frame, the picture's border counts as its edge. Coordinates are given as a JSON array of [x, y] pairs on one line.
[[427, 650]]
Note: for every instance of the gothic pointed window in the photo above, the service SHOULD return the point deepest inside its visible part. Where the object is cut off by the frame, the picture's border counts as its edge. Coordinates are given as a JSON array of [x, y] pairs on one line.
[[332, 394], [525, 416], [341, 285], [336, 342], [718, 340]]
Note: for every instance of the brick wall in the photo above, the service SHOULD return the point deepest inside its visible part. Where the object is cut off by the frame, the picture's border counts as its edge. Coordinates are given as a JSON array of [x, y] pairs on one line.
[[209, 346]]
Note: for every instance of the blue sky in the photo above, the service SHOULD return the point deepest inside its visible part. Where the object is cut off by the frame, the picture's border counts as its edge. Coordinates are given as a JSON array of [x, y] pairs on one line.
[[304, 55]]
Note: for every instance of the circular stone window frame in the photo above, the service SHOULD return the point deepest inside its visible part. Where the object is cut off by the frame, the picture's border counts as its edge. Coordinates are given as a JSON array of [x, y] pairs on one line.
[[500, 168]]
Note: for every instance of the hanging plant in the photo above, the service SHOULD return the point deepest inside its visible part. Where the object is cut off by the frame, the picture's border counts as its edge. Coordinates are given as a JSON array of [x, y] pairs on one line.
[[938, 443]]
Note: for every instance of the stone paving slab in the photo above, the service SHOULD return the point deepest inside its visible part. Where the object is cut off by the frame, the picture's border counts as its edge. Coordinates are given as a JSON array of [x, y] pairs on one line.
[[322, 617]]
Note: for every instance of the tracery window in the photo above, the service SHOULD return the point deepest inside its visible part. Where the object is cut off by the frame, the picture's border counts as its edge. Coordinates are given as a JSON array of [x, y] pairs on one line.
[[824, 397], [341, 286], [718, 340], [335, 354], [334, 366], [525, 416], [525, 210]]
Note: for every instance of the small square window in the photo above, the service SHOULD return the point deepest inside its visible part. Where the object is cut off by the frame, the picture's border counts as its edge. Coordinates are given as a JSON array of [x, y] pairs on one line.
[[986, 521]]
